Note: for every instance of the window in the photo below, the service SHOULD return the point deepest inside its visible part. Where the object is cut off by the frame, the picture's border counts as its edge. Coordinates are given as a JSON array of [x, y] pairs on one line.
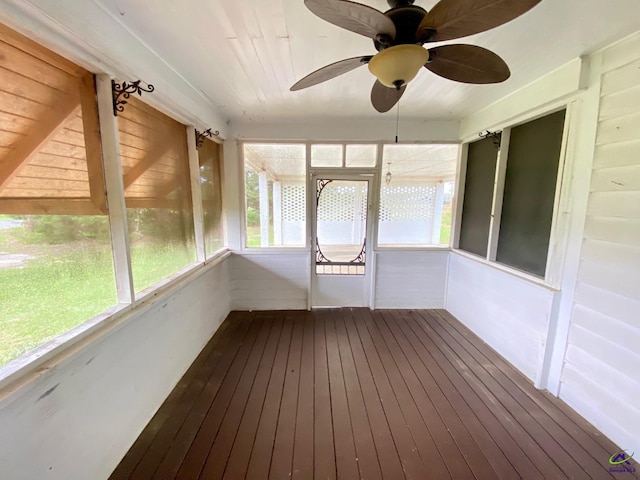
[[326, 156], [211, 186], [511, 222], [351, 155], [529, 193], [275, 194], [478, 196], [416, 193], [55, 257], [157, 192]]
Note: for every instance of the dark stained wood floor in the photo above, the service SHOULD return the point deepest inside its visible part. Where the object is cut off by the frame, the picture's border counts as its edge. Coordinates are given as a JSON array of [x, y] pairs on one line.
[[354, 393]]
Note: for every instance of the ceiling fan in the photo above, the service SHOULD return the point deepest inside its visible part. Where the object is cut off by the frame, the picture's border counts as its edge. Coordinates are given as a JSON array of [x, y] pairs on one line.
[[399, 33]]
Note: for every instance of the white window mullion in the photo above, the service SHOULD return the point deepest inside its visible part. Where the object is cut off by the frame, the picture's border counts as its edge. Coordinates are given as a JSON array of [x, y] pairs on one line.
[[117, 208], [196, 194], [498, 194], [458, 195]]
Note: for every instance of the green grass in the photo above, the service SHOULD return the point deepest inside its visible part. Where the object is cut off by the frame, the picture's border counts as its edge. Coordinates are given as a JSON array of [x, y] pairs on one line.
[[445, 229], [53, 293], [253, 236]]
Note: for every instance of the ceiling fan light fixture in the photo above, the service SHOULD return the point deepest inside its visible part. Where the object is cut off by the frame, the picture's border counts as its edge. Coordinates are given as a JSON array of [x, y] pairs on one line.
[[397, 66]]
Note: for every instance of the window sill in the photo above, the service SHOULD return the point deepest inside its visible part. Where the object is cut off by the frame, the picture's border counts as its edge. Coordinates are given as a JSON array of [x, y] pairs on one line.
[[412, 248], [506, 269], [271, 250]]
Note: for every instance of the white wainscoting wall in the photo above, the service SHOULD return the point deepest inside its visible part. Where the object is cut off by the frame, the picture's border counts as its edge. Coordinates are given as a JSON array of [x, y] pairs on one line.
[[75, 417], [601, 373], [508, 312], [410, 279], [269, 280]]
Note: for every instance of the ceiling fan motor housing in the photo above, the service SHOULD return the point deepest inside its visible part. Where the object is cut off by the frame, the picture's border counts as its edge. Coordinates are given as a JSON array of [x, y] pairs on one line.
[[399, 3], [406, 20]]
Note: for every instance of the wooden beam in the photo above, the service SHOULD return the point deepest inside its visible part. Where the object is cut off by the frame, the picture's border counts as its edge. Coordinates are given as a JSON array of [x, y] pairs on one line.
[[92, 144], [47, 127], [164, 190], [48, 206], [158, 150]]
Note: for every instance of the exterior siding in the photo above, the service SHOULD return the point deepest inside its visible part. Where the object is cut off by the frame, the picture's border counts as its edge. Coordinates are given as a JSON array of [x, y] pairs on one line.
[[601, 372]]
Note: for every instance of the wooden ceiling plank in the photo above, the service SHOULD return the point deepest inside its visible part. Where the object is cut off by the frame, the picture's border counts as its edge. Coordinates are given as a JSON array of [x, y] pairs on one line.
[[92, 142], [152, 156], [47, 206], [36, 50], [47, 171], [35, 69], [48, 126]]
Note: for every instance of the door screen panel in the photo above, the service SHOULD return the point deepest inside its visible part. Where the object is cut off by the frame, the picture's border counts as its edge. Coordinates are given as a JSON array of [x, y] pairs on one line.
[[341, 225]]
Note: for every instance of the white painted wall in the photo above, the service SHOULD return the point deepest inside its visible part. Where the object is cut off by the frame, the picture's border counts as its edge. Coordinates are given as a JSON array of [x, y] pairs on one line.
[[411, 278], [601, 373], [348, 130], [269, 280], [76, 416], [508, 312]]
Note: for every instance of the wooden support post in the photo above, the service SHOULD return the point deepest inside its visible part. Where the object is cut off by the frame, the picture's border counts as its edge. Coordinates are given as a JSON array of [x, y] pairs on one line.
[[91, 131], [115, 191], [196, 194]]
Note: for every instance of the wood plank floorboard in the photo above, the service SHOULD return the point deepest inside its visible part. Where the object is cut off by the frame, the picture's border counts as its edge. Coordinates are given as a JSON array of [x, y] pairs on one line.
[[354, 393]]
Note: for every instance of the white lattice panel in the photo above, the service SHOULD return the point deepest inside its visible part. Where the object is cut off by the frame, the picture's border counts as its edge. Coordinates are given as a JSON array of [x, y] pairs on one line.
[[293, 203], [407, 203]]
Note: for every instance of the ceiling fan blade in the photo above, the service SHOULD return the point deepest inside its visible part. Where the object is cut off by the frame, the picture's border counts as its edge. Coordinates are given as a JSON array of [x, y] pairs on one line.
[[353, 16], [384, 98], [459, 18], [330, 71], [467, 64]]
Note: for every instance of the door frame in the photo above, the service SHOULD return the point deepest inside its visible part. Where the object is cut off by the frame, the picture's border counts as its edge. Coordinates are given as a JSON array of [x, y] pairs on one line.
[[372, 177]]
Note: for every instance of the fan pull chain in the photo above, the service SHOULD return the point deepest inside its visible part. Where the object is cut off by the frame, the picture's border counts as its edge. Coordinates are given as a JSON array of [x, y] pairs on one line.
[[397, 120]]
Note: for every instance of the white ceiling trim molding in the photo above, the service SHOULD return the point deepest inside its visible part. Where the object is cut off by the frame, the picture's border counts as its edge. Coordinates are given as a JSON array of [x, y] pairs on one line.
[[87, 34], [560, 84], [349, 130]]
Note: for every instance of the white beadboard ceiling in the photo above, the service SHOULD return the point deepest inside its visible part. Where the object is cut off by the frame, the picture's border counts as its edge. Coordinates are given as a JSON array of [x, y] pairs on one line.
[[245, 54]]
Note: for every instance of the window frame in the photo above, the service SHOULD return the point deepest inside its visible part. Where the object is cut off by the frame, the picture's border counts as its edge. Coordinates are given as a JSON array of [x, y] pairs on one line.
[[376, 170], [559, 223], [128, 301]]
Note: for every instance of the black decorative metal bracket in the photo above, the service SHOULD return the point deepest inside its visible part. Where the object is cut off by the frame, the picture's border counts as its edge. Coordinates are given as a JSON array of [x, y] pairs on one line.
[[123, 91], [200, 136], [496, 136]]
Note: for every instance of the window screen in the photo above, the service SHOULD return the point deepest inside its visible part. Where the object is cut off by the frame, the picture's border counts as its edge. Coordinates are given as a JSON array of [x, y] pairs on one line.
[[478, 195], [529, 192]]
